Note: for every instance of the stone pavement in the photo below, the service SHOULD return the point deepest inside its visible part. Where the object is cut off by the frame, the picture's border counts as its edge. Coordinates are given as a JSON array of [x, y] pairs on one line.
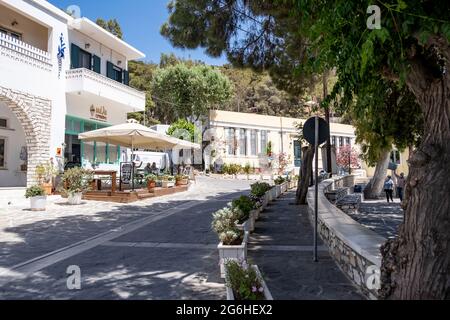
[[155, 249], [381, 217], [282, 248]]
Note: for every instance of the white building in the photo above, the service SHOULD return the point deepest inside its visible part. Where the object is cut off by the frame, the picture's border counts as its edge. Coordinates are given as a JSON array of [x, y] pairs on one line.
[[59, 76]]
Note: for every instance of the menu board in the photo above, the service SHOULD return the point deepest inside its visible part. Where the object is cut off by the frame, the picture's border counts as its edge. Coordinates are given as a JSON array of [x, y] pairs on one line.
[[126, 173]]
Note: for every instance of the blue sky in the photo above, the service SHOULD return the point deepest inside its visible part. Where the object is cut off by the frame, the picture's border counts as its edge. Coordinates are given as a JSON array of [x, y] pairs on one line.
[[141, 21]]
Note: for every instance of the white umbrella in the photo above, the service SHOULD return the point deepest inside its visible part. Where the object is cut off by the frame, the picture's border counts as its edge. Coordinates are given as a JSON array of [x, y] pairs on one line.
[[134, 135]]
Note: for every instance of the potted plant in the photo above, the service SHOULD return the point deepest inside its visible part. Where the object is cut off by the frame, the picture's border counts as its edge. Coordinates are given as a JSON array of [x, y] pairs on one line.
[[167, 181], [260, 190], [181, 180], [151, 182], [233, 242], [38, 198], [75, 182], [45, 173], [245, 205], [244, 282]]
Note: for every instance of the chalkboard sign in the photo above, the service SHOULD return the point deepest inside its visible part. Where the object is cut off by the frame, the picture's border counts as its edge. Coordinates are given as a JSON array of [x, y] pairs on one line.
[[126, 173]]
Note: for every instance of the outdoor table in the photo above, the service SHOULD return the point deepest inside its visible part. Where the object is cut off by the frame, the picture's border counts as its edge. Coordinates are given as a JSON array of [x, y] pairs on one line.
[[111, 173]]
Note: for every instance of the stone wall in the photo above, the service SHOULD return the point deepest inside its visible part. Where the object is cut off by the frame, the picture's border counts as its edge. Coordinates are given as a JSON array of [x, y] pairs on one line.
[[34, 114], [354, 247]]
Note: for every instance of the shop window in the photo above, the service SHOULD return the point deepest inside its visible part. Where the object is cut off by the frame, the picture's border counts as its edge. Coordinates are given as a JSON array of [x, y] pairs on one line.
[[230, 141], [100, 151], [253, 143], [113, 153], [2, 153], [264, 139], [347, 141], [395, 157], [243, 142], [88, 155]]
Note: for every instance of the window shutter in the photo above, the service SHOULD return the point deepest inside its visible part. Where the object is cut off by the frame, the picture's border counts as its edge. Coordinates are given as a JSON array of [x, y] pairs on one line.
[[126, 77], [97, 64], [74, 56], [110, 70]]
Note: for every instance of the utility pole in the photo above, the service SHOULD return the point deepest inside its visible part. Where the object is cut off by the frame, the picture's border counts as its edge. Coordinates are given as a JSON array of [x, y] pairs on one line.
[[327, 118]]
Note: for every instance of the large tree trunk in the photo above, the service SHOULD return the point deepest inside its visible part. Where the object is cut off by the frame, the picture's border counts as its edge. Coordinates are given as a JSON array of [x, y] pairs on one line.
[[305, 174], [416, 264], [375, 186]]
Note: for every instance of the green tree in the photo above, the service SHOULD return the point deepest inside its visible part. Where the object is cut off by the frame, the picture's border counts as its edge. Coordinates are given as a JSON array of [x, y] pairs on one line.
[[410, 51], [189, 92], [111, 26]]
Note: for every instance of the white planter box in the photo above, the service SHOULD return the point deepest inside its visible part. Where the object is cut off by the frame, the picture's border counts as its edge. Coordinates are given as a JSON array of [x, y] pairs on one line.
[[284, 187], [274, 193], [75, 198], [245, 226], [232, 252], [267, 294], [38, 203], [167, 184], [278, 191], [255, 214]]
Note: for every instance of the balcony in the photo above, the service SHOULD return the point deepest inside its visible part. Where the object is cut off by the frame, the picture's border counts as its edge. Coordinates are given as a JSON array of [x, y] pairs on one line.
[[96, 86], [23, 52]]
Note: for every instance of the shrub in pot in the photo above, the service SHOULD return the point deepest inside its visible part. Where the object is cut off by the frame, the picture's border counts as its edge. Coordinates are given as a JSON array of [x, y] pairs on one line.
[[151, 181], [181, 180], [45, 173], [38, 198], [74, 183], [260, 188], [246, 206], [244, 282]]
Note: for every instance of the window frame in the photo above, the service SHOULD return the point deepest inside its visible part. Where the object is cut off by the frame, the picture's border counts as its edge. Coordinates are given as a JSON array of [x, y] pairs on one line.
[[5, 147], [7, 123], [12, 34]]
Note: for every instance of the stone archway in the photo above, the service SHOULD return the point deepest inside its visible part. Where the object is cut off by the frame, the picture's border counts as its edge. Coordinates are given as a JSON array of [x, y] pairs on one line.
[[34, 114]]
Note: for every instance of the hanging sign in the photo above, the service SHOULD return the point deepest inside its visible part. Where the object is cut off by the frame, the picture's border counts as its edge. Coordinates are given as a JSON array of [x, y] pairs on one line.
[[99, 113]]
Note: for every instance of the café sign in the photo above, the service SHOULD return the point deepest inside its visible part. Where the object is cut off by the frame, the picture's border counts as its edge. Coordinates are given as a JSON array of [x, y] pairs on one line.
[[99, 113]]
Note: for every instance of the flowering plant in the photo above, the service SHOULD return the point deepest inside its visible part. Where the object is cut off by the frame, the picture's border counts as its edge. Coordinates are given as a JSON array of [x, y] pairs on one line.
[[243, 280], [224, 224]]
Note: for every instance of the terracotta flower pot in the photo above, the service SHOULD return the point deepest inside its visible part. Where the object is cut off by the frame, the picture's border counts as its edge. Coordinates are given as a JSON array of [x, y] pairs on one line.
[[151, 185], [48, 187]]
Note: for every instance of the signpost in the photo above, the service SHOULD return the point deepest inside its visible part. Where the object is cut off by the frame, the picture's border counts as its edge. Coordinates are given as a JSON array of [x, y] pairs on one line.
[[316, 131]]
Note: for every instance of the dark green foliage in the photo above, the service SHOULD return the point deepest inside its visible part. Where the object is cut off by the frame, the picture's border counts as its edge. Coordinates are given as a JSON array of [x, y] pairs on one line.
[[245, 204]]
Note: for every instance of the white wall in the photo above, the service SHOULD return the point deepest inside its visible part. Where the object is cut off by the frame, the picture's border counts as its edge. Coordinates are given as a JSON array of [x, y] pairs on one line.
[[15, 140], [79, 106], [30, 79]]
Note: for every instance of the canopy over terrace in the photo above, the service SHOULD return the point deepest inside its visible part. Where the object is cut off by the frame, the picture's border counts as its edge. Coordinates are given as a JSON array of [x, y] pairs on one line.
[[133, 135]]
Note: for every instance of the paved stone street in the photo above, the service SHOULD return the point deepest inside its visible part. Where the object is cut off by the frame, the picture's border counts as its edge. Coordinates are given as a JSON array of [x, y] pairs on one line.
[[157, 249], [382, 217], [282, 247]]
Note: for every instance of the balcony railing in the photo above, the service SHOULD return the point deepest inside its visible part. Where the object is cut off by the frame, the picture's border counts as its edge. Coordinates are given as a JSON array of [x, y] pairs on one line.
[[24, 52], [87, 80]]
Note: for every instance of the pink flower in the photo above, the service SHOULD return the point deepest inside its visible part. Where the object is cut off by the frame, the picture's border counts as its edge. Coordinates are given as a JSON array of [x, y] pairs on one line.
[[254, 289], [261, 290]]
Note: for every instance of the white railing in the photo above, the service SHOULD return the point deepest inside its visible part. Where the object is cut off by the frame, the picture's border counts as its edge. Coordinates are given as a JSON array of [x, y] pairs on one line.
[[83, 73], [24, 52]]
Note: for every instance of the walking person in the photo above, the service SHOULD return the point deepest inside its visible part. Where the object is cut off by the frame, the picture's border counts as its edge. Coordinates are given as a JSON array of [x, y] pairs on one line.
[[401, 182], [389, 189]]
